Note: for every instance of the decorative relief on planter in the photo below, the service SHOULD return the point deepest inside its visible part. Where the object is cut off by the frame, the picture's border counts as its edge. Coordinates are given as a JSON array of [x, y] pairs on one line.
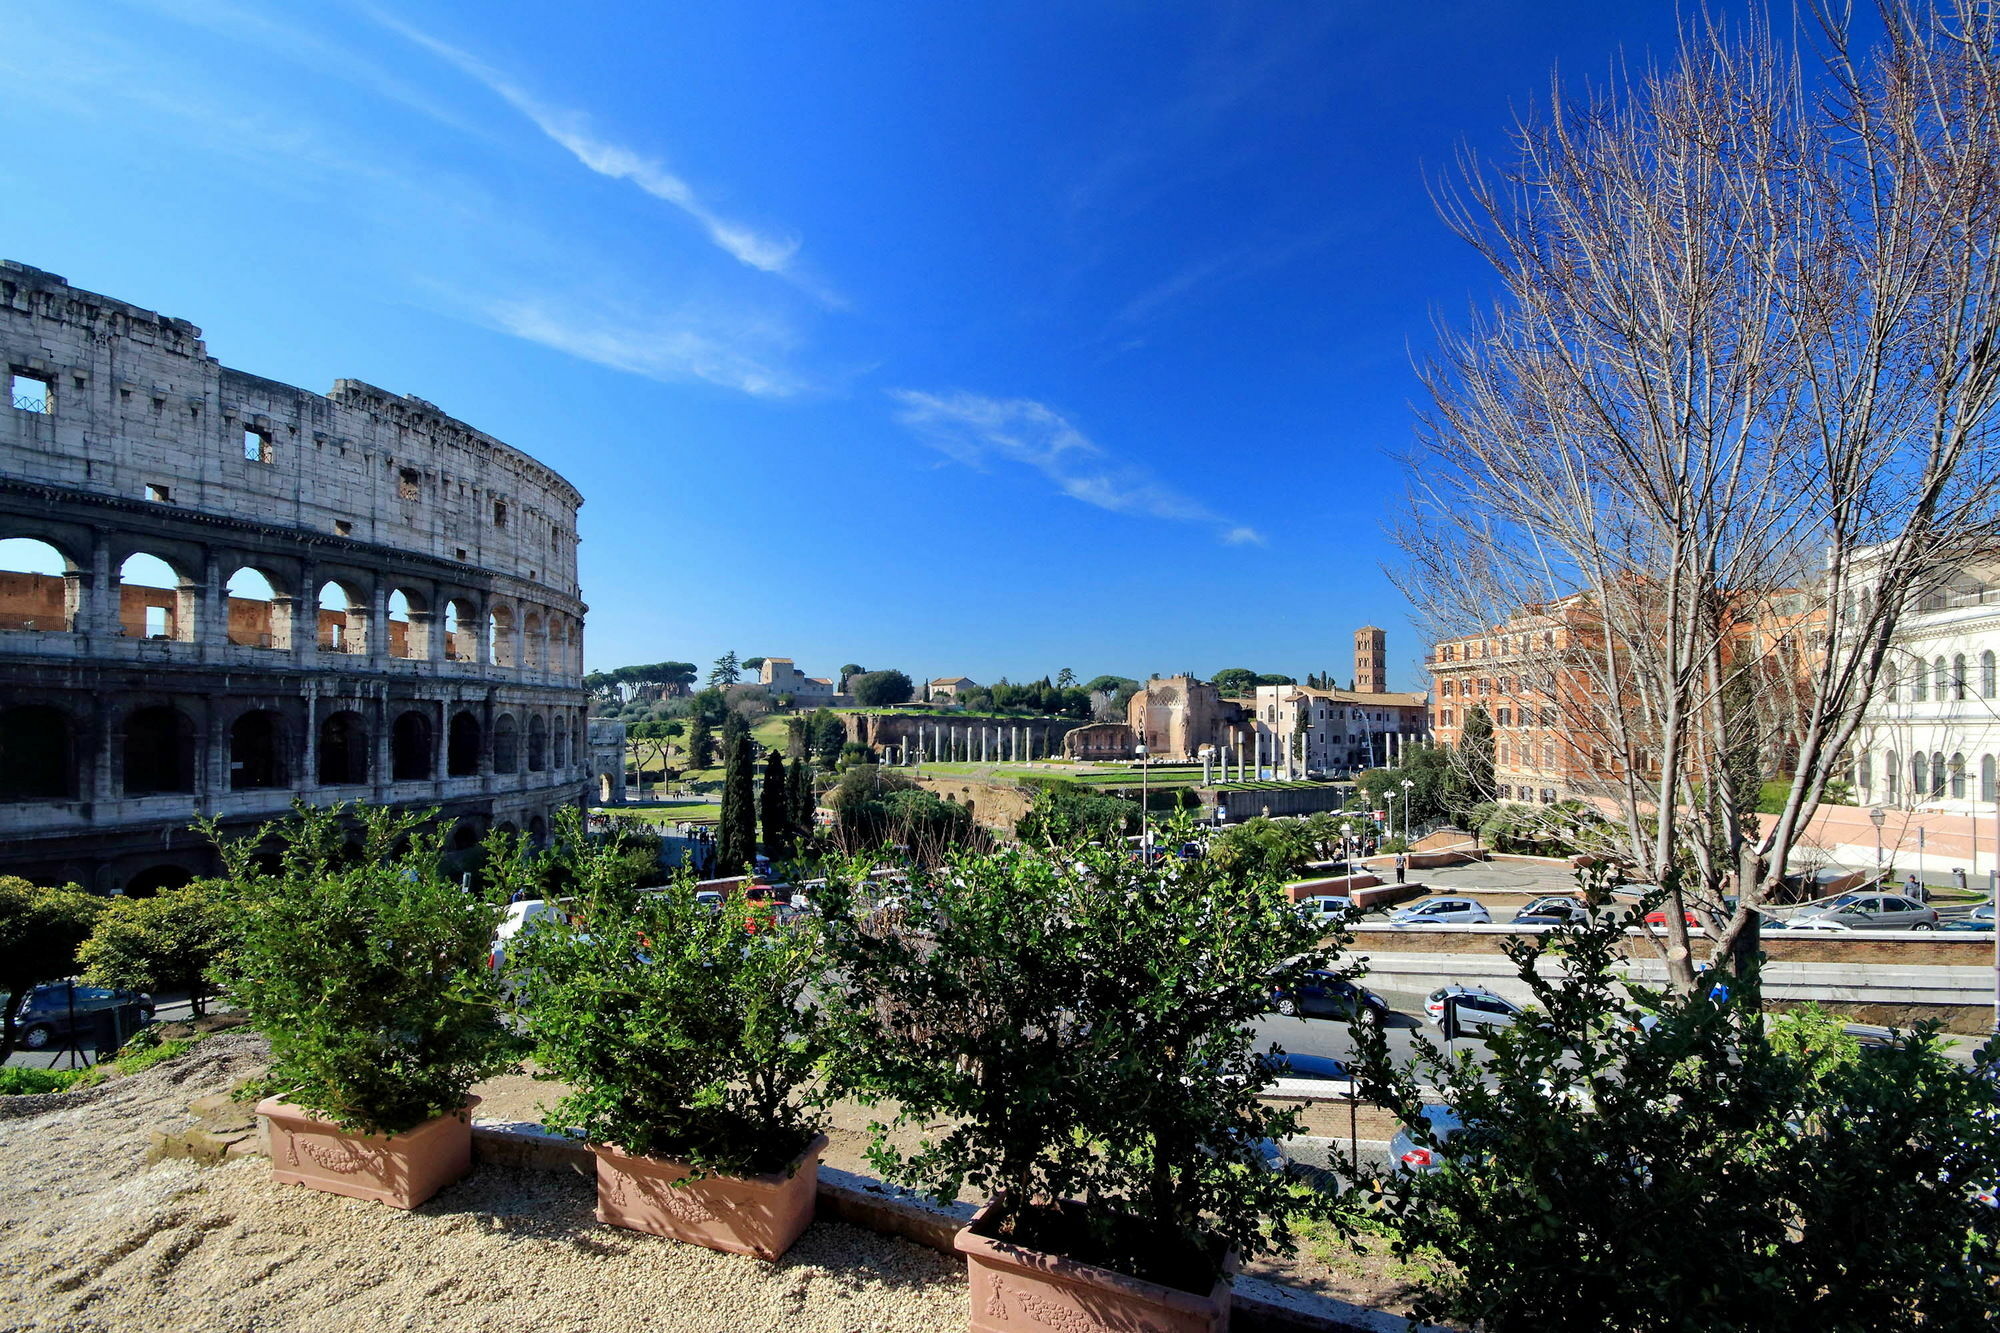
[[1015, 1289], [400, 1170], [1056, 1314], [758, 1215]]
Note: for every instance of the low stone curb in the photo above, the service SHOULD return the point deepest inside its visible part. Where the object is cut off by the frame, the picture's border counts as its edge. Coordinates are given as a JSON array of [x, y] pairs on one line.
[[1258, 1306]]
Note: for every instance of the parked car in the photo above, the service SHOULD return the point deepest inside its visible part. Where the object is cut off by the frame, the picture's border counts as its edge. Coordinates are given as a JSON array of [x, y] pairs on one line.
[[520, 916], [1328, 995], [1658, 918], [1556, 910], [1291, 1064], [50, 1015], [1407, 1154], [1979, 918], [1323, 908], [1874, 911], [1442, 912], [1478, 1007]]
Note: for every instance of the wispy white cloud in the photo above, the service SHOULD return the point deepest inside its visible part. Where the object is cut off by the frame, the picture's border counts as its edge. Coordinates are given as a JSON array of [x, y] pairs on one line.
[[666, 347], [976, 430], [571, 130]]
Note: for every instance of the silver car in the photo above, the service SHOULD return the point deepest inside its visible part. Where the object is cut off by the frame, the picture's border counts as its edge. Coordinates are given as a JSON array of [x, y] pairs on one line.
[[1873, 911], [1443, 912]]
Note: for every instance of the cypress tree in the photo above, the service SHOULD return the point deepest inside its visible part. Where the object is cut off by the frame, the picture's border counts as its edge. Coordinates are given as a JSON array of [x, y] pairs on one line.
[[802, 801], [777, 809], [701, 743], [737, 845]]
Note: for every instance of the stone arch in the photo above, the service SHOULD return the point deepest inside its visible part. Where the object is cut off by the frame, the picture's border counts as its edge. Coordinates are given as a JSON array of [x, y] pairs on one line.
[[465, 835], [156, 598], [342, 616], [37, 754], [538, 830], [534, 646], [461, 633], [506, 744], [160, 751], [559, 743], [257, 610], [409, 627], [538, 743], [257, 751], [500, 647], [157, 879], [343, 749], [463, 745], [604, 789], [38, 585], [411, 749]]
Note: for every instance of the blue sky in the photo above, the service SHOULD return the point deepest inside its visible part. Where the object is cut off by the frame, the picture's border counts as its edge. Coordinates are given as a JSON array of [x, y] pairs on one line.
[[980, 340]]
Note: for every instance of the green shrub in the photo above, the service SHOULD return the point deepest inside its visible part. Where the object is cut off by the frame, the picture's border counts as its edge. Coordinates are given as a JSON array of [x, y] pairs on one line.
[[16, 1082], [681, 1032], [367, 973], [1069, 1027], [1696, 1170]]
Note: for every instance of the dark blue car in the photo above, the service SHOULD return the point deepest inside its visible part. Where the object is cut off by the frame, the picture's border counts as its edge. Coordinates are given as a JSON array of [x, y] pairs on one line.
[[1290, 1064], [51, 1016], [1328, 995]]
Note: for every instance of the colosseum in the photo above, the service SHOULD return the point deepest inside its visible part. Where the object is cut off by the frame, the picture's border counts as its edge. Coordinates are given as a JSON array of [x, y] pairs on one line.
[[218, 592]]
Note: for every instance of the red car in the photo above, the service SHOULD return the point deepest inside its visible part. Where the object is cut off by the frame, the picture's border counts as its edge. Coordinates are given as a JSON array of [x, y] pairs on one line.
[[1659, 918]]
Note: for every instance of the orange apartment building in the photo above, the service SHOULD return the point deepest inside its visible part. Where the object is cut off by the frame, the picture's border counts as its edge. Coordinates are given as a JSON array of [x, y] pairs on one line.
[[1523, 673]]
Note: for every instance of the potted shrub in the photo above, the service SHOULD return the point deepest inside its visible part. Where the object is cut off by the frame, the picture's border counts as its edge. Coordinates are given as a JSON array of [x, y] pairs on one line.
[[688, 1037], [1076, 1022], [366, 969]]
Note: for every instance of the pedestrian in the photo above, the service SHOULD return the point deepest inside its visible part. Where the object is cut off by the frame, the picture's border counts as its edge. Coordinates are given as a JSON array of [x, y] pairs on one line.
[[1402, 864], [1914, 887]]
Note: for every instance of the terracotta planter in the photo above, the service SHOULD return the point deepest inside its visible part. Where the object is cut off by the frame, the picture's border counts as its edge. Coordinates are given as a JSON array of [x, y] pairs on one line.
[[760, 1215], [1014, 1288], [401, 1170]]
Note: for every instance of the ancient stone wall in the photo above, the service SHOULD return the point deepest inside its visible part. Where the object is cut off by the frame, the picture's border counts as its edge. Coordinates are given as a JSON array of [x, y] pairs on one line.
[[421, 643], [954, 737]]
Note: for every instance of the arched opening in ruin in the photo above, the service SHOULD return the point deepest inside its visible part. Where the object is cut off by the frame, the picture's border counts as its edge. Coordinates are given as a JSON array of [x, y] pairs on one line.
[[459, 619], [155, 880], [343, 750], [159, 751], [500, 638], [151, 602], [257, 751], [559, 740], [534, 649], [255, 617], [37, 754], [604, 789], [465, 837], [409, 625], [462, 746], [538, 744], [410, 748], [36, 590], [343, 614], [538, 831], [506, 744]]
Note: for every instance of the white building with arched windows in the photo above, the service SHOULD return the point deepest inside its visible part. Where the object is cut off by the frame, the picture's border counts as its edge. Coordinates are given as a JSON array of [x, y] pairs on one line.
[[1931, 737]]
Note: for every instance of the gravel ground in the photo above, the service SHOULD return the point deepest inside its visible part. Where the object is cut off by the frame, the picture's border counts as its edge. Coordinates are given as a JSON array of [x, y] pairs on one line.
[[93, 1238]]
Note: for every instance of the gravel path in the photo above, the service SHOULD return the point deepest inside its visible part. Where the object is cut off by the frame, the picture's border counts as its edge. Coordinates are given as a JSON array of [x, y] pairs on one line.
[[93, 1238]]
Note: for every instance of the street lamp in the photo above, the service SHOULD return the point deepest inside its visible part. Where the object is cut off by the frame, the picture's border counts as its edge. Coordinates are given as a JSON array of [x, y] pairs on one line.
[[1407, 785], [1389, 812], [1145, 829], [1876, 817], [1346, 851]]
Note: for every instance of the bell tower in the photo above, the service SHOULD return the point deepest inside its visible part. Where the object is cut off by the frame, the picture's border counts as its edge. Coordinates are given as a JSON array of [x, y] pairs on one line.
[[1371, 660]]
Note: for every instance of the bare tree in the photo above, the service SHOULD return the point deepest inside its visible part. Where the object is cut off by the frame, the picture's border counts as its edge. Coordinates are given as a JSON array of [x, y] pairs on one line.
[[1733, 413]]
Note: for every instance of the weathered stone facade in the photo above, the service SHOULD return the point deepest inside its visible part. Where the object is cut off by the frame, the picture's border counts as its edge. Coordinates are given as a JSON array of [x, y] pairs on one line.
[[421, 643], [1176, 717]]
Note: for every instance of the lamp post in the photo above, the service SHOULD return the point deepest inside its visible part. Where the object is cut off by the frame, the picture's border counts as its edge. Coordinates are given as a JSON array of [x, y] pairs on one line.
[[1346, 849], [1145, 826], [1407, 786], [1876, 817], [1389, 813]]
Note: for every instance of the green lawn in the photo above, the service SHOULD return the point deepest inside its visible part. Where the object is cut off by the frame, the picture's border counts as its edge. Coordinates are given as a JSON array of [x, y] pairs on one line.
[[666, 813]]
